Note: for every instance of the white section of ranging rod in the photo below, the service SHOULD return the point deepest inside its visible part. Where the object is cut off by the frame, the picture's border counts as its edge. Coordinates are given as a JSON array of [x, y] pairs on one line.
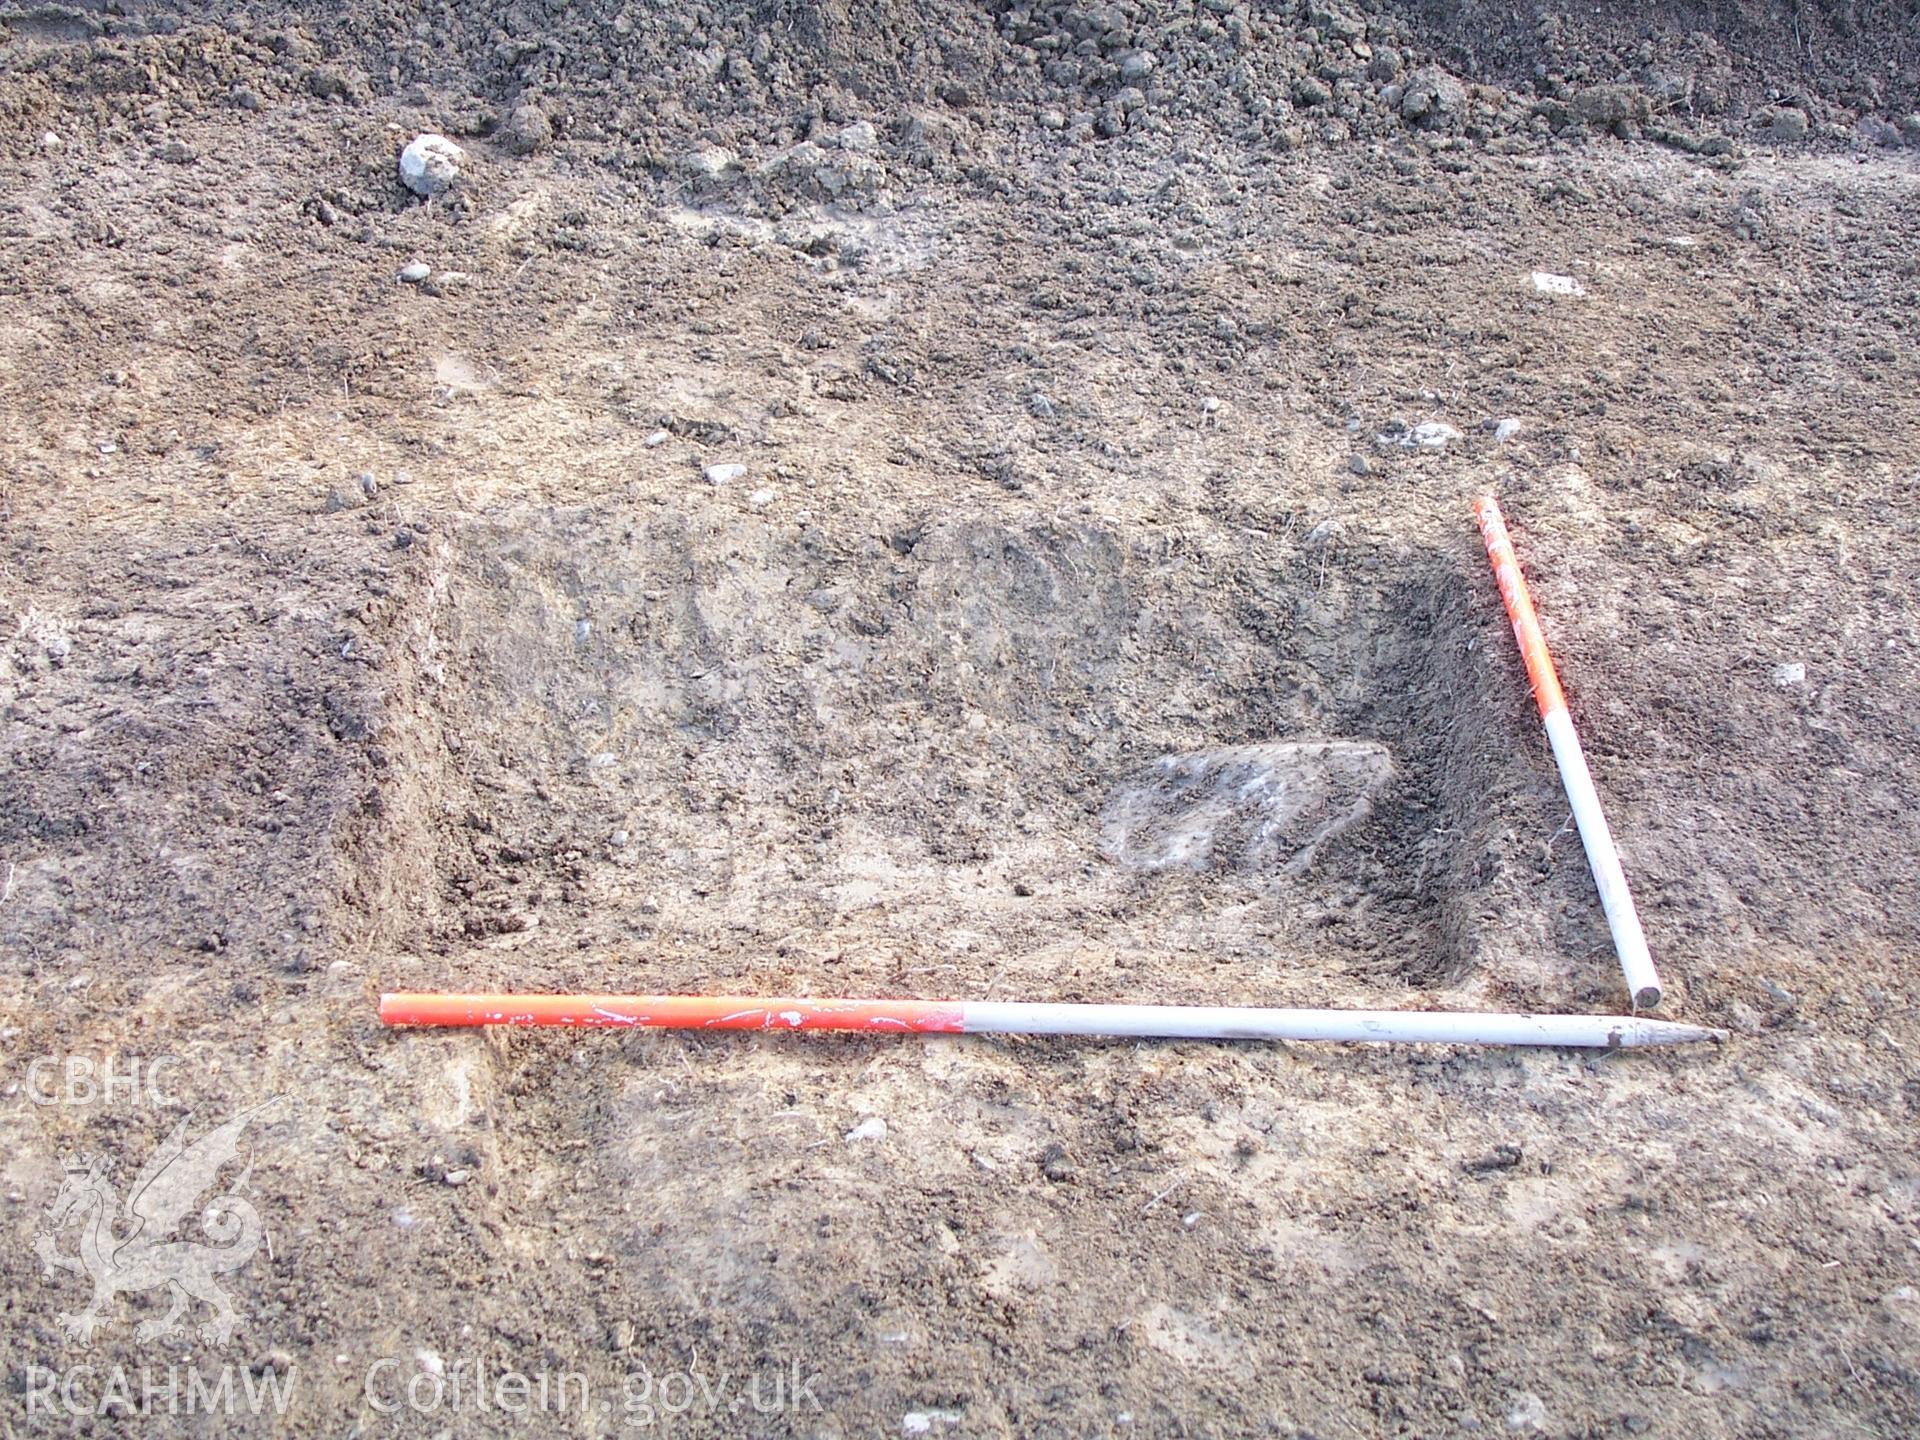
[[1629, 940], [1223, 1022]]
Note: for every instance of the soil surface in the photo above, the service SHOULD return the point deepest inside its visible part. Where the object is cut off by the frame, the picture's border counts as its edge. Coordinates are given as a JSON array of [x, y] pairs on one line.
[[888, 500]]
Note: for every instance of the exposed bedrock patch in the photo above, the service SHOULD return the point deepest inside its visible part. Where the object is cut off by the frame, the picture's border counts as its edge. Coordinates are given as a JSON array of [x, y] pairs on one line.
[[1254, 810]]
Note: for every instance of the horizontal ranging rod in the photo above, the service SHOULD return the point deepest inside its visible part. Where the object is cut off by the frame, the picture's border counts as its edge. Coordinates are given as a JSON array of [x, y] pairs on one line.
[[978, 1017]]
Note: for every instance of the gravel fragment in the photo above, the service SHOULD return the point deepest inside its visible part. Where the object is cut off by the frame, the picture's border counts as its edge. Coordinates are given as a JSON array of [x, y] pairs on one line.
[[1433, 99], [710, 167], [1430, 435], [1550, 284]]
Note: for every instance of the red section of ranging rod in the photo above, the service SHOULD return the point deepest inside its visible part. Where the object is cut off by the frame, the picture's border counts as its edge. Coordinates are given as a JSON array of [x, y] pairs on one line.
[[1513, 590], [700, 1012]]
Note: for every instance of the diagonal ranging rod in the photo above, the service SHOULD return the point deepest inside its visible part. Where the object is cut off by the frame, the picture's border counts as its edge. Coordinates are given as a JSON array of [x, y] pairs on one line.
[[1629, 942]]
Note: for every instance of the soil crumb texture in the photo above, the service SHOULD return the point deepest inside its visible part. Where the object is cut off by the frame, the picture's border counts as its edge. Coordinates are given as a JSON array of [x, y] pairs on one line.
[[962, 503]]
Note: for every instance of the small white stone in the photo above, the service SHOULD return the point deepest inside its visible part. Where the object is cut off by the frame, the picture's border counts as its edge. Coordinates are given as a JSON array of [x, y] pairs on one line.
[[1430, 435], [1210, 405], [430, 1362], [1506, 430], [620, 838], [1325, 531], [1903, 1304], [414, 272], [1528, 1413], [1548, 284], [760, 499], [430, 164], [1789, 675], [724, 474], [921, 1422], [656, 439], [709, 163], [871, 1128]]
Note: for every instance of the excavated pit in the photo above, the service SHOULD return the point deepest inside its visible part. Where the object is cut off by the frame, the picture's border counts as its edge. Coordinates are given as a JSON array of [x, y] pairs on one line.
[[992, 757]]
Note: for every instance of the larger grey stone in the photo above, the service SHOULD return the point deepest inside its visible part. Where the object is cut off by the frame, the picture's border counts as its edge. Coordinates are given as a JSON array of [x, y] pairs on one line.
[[1258, 810]]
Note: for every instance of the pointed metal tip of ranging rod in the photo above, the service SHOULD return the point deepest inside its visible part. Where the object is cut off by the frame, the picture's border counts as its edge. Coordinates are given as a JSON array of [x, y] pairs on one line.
[[1667, 1032]]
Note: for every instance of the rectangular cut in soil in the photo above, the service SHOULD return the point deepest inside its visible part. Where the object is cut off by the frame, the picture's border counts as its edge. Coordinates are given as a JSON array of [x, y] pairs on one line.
[[981, 757]]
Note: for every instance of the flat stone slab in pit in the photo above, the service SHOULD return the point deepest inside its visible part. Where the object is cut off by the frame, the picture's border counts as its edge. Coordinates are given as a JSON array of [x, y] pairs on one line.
[[1252, 809]]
